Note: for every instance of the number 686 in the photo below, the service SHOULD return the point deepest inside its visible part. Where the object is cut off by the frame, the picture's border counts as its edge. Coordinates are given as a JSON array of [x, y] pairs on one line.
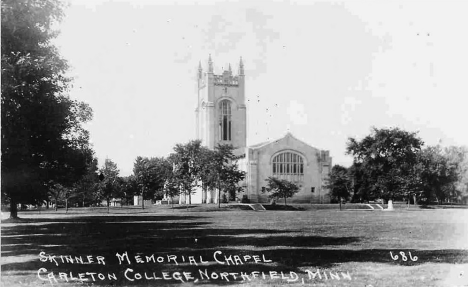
[[403, 256]]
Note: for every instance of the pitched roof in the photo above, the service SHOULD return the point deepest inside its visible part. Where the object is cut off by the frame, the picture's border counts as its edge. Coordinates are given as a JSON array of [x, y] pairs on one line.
[[259, 144], [288, 134]]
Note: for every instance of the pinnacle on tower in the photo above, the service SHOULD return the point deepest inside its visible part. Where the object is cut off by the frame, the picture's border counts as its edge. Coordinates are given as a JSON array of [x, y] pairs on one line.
[[210, 64], [200, 70], [241, 67], [230, 70]]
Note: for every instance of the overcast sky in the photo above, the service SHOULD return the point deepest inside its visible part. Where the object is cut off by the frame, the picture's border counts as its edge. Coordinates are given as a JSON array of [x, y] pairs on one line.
[[324, 71]]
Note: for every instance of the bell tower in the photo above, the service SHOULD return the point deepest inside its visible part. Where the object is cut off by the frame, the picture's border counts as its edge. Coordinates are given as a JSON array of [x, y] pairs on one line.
[[221, 111]]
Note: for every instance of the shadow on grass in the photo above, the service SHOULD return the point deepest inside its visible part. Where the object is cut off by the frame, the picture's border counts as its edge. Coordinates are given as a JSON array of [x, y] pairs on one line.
[[183, 206], [239, 207], [282, 207], [104, 218], [438, 207], [182, 237]]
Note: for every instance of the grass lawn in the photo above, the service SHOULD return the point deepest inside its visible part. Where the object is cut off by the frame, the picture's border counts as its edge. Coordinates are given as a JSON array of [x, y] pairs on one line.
[[205, 246]]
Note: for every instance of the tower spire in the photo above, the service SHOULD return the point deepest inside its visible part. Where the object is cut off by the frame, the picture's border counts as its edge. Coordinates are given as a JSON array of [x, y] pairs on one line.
[[210, 64], [200, 71], [241, 67], [230, 70]]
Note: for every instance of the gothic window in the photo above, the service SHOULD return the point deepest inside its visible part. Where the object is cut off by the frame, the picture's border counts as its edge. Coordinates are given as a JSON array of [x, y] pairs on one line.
[[225, 120], [288, 163]]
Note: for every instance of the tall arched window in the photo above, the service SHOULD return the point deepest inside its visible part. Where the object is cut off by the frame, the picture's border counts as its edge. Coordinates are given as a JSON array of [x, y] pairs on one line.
[[225, 120], [288, 165]]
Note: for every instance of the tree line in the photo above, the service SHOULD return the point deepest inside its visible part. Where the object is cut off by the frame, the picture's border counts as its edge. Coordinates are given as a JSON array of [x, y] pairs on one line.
[[47, 157], [190, 167], [44, 145], [393, 164]]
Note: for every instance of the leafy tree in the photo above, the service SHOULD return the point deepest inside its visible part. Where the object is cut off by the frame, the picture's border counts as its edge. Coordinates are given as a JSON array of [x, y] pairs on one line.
[[457, 157], [86, 187], [109, 187], [187, 165], [60, 194], [208, 174], [224, 171], [43, 142], [387, 158], [171, 189], [129, 188], [414, 185], [67, 195], [172, 185], [166, 174], [195, 166], [150, 174], [230, 178], [360, 184], [56, 193], [281, 188], [440, 173], [339, 183]]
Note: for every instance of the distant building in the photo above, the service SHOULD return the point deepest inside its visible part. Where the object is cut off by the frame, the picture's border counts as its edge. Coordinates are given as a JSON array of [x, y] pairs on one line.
[[221, 117], [113, 202], [137, 201]]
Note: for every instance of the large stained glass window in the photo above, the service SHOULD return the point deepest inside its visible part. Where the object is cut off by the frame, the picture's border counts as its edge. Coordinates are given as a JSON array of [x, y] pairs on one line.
[[225, 120], [288, 163]]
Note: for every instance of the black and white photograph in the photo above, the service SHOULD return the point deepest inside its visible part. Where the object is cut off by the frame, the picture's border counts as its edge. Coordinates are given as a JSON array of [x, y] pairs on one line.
[[234, 143]]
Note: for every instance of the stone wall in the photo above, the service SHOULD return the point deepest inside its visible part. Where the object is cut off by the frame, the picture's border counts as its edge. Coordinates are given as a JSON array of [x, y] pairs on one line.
[[316, 169], [211, 91]]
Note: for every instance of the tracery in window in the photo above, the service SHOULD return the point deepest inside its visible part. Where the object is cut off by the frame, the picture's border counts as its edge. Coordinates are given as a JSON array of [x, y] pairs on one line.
[[288, 163], [225, 120]]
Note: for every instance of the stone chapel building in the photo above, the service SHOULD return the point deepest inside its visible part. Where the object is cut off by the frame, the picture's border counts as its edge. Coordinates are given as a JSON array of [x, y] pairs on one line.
[[221, 117]]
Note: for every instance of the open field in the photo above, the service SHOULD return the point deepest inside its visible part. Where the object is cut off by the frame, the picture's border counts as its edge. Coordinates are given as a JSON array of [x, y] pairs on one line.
[[313, 247]]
